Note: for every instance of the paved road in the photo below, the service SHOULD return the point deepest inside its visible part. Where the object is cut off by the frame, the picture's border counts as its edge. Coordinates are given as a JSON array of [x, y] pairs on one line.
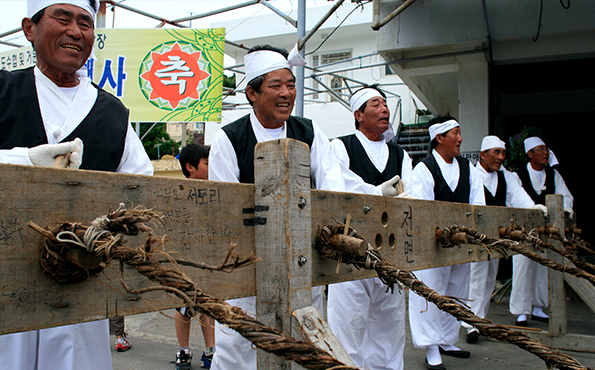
[[154, 343]]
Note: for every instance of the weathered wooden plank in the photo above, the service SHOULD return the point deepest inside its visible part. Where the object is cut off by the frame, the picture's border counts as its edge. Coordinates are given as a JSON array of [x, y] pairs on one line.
[[316, 331], [558, 324], [583, 288], [284, 276], [404, 229], [201, 220]]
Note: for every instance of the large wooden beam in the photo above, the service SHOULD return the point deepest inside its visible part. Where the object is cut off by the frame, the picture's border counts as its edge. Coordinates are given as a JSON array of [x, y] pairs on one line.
[[284, 276], [202, 219]]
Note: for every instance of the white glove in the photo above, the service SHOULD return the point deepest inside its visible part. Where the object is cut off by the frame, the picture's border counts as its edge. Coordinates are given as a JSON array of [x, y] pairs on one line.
[[388, 187], [405, 195], [569, 211], [45, 155], [542, 208]]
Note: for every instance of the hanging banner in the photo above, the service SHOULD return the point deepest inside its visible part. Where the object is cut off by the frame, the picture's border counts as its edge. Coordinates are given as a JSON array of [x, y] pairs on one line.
[[162, 75], [20, 58]]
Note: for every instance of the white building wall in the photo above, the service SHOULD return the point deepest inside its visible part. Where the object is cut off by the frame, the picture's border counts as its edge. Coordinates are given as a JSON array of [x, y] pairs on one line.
[[355, 36]]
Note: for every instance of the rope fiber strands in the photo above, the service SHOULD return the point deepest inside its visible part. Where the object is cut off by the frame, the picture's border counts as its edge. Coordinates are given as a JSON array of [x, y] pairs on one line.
[[72, 252], [511, 238], [391, 276]]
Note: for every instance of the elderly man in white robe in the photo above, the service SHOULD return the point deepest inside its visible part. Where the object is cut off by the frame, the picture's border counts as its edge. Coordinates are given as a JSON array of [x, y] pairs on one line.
[[529, 294], [52, 110], [271, 93], [444, 176], [368, 321], [502, 188]]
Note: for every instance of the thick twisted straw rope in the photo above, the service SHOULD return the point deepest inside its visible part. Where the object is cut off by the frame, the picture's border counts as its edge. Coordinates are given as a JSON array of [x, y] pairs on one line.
[[144, 259], [392, 276], [514, 235]]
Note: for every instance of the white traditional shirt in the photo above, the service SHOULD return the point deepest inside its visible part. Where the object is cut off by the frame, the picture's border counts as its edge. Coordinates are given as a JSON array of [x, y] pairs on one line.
[[61, 115], [538, 182], [378, 153], [422, 186], [223, 162], [516, 196]]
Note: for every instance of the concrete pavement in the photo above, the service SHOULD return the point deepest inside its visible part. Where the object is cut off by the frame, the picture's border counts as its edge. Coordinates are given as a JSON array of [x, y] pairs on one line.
[[154, 343]]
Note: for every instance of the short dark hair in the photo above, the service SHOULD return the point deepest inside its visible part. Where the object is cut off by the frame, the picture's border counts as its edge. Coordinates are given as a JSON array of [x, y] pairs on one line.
[[256, 82], [192, 154], [37, 16], [363, 107], [435, 120]]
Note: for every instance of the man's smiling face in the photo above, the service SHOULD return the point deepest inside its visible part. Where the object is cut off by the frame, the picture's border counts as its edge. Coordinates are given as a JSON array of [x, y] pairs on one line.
[[63, 39], [274, 103]]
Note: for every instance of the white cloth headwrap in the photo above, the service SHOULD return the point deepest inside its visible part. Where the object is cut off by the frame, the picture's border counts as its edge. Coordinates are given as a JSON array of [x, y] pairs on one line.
[[532, 142], [262, 62], [359, 98], [440, 128], [490, 142], [33, 6]]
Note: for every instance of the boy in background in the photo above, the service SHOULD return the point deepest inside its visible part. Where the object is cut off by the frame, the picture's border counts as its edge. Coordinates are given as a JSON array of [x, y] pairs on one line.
[[194, 160]]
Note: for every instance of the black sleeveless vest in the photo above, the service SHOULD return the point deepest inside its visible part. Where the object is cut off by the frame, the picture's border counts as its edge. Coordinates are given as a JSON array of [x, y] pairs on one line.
[[243, 140], [500, 198], [550, 184], [360, 163], [442, 190], [103, 131]]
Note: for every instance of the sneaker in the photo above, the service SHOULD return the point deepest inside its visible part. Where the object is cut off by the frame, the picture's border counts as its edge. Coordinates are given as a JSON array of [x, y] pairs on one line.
[[122, 345], [205, 360], [183, 360]]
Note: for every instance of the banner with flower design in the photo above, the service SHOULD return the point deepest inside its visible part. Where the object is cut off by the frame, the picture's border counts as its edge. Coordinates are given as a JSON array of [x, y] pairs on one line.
[[162, 75]]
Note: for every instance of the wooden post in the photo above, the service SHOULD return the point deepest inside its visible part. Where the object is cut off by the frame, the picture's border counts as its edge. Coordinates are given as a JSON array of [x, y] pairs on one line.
[[282, 211], [557, 293]]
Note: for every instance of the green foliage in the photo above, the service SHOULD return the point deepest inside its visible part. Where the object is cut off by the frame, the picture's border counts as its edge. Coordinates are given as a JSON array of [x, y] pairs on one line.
[[229, 81], [518, 157], [157, 143]]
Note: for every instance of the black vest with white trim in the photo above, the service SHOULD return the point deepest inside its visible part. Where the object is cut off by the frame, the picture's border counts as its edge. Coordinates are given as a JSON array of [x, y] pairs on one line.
[[243, 140], [103, 131], [361, 165], [500, 198], [441, 189]]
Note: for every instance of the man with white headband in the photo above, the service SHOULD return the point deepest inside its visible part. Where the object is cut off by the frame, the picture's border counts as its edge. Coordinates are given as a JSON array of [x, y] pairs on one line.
[[362, 309], [271, 93], [444, 176], [502, 189], [529, 294], [51, 110]]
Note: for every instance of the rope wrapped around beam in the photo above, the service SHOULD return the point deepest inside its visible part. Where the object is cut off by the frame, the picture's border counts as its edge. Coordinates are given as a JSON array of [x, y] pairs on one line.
[[391, 276], [511, 241], [74, 250]]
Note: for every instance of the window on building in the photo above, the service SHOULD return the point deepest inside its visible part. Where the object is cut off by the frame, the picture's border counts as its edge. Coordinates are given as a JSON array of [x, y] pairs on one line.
[[334, 82]]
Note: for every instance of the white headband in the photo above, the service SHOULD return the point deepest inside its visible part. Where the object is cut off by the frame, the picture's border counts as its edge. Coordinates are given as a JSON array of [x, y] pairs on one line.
[[490, 142], [440, 128], [359, 98], [532, 142], [34, 6], [262, 62]]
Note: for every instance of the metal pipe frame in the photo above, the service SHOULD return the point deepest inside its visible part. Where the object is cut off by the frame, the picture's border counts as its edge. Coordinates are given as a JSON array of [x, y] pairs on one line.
[[302, 41], [141, 12], [377, 25]]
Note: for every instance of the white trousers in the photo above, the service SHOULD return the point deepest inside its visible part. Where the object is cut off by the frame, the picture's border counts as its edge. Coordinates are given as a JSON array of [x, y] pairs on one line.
[[82, 346], [482, 279], [430, 325], [234, 352], [529, 286], [369, 322]]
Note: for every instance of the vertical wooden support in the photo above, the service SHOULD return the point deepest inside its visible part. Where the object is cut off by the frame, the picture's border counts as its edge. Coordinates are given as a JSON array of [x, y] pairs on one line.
[[557, 294], [282, 238]]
